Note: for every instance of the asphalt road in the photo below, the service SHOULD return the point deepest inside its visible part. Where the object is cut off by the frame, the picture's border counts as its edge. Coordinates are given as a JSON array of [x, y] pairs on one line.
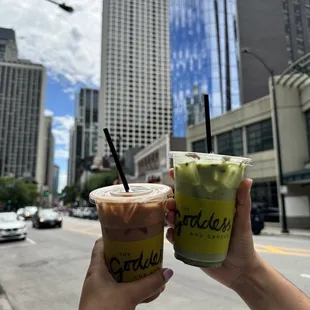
[[47, 270]]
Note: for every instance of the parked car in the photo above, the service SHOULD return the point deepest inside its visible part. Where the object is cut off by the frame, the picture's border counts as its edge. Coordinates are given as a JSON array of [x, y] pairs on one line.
[[47, 218], [93, 214], [257, 219], [11, 228], [86, 213], [29, 212], [79, 212]]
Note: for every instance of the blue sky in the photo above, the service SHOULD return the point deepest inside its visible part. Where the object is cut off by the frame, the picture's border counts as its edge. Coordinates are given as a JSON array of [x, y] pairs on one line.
[[68, 45]]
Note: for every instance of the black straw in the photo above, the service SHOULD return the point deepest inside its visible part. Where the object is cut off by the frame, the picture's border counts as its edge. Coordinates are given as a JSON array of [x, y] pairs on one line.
[[208, 123], [116, 160]]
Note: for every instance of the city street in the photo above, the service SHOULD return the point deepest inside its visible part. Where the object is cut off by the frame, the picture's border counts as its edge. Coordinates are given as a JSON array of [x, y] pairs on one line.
[[47, 270]]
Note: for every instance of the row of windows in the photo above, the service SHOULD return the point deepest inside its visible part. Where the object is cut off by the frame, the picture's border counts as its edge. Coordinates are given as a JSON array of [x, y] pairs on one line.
[[259, 139]]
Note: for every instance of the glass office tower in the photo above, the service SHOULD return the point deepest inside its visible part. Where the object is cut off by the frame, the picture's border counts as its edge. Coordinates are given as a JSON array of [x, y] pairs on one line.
[[204, 59]]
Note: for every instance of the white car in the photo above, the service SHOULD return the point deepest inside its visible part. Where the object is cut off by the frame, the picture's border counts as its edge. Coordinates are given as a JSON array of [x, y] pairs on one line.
[[11, 228]]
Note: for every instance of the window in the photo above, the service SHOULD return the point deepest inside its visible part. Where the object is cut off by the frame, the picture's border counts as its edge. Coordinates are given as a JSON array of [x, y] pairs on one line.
[[259, 136], [200, 146], [308, 128], [230, 143]]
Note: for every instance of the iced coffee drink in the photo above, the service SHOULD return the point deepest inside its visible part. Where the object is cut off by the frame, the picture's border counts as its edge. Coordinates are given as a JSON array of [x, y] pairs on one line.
[[132, 227], [205, 191]]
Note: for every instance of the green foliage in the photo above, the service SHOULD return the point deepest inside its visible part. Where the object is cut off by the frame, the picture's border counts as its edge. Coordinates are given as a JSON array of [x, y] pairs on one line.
[[69, 194], [17, 193], [96, 180]]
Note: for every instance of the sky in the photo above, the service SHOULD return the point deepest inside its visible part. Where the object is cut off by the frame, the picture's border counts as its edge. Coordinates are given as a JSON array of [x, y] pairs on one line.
[[68, 45]]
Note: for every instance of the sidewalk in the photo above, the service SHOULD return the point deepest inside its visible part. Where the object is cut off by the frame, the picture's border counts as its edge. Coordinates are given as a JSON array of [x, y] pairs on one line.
[[272, 230], [4, 304]]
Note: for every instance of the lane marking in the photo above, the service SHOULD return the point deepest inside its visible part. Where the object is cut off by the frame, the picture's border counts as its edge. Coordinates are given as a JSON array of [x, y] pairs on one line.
[[303, 275], [31, 241]]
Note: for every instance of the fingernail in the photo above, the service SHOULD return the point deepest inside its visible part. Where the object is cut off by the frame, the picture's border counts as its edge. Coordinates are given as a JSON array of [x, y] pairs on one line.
[[168, 273], [250, 185]]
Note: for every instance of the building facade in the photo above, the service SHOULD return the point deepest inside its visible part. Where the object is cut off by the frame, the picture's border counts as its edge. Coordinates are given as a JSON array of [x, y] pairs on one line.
[[8, 46], [55, 181], [281, 39], [204, 59], [22, 95], [248, 132], [153, 162], [49, 147], [84, 133], [135, 97]]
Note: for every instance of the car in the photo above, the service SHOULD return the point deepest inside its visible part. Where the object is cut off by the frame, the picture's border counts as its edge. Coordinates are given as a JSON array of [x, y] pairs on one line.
[[93, 214], [29, 212], [47, 218], [86, 213], [11, 228]]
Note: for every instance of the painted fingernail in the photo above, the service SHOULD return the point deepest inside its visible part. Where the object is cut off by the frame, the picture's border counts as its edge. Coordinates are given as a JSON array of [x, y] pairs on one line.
[[168, 273]]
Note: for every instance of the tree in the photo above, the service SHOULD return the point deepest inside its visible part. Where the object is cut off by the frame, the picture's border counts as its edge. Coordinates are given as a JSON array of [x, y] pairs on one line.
[[69, 194], [97, 180], [17, 193]]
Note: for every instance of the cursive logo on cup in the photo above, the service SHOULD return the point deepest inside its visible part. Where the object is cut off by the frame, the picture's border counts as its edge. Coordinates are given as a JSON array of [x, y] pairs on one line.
[[213, 223], [142, 264]]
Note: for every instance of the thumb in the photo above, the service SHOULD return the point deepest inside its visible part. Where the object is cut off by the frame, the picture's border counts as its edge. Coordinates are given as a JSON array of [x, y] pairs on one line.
[[144, 288]]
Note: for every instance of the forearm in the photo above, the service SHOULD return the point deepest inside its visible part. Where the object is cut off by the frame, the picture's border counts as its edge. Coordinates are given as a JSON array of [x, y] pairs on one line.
[[266, 289]]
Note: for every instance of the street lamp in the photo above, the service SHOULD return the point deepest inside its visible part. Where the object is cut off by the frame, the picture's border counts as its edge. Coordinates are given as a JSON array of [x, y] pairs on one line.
[[63, 6], [276, 123]]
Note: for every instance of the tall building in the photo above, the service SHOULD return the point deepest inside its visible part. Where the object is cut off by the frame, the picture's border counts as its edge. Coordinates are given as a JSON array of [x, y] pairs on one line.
[[8, 46], [49, 146], [204, 59], [22, 94], [84, 133], [55, 181], [135, 97], [278, 32]]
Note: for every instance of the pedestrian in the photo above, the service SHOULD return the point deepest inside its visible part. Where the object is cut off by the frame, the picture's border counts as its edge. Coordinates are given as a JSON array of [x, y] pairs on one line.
[[244, 271]]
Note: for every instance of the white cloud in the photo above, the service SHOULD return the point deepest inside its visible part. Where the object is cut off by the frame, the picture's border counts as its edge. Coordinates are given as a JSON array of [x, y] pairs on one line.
[[62, 153], [48, 112], [62, 181], [67, 44]]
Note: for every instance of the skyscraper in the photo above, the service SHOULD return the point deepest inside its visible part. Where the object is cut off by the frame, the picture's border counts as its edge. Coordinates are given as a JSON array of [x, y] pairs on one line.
[[84, 133], [278, 32], [135, 102], [55, 181], [49, 146], [8, 46], [22, 92], [204, 59]]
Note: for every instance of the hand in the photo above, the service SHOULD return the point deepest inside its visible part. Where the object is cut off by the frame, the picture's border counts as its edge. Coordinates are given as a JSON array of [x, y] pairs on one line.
[[101, 292], [241, 257]]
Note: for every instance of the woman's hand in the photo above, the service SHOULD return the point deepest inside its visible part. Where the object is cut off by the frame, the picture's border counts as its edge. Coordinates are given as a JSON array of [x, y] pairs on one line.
[[101, 292], [241, 257]]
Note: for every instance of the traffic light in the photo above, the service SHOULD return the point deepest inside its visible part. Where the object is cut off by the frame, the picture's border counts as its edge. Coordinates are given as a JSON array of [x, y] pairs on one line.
[[46, 194], [9, 201]]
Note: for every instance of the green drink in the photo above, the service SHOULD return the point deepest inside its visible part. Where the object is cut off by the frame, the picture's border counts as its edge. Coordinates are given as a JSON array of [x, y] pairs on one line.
[[205, 191]]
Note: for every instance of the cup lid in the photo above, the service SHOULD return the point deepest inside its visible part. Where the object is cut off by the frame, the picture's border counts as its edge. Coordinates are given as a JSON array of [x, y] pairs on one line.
[[183, 157], [139, 192]]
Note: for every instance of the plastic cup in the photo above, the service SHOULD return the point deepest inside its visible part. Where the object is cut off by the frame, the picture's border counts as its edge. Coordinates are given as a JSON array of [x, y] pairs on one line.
[[132, 225], [205, 191]]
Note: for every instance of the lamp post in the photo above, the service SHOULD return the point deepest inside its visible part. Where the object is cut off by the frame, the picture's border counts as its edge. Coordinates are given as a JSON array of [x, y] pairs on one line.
[[277, 138], [63, 6]]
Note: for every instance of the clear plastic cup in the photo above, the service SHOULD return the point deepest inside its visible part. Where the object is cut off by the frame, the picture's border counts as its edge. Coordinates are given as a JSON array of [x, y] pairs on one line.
[[205, 191], [132, 227]]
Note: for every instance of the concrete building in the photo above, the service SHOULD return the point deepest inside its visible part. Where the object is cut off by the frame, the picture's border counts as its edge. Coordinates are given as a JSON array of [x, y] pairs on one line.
[[153, 162], [84, 133], [135, 94], [22, 95], [55, 181], [8, 46], [129, 160], [49, 146], [204, 57], [281, 39], [248, 131]]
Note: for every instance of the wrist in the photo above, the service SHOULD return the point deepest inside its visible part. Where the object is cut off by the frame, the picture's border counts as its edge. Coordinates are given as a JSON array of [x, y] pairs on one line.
[[249, 275]]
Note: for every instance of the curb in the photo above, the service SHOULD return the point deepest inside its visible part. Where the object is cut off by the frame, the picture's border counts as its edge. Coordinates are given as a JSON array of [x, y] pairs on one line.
[[295, 236]]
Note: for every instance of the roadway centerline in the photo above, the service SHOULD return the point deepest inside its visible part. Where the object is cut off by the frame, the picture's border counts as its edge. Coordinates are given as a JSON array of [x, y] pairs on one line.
[[303, 275]]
